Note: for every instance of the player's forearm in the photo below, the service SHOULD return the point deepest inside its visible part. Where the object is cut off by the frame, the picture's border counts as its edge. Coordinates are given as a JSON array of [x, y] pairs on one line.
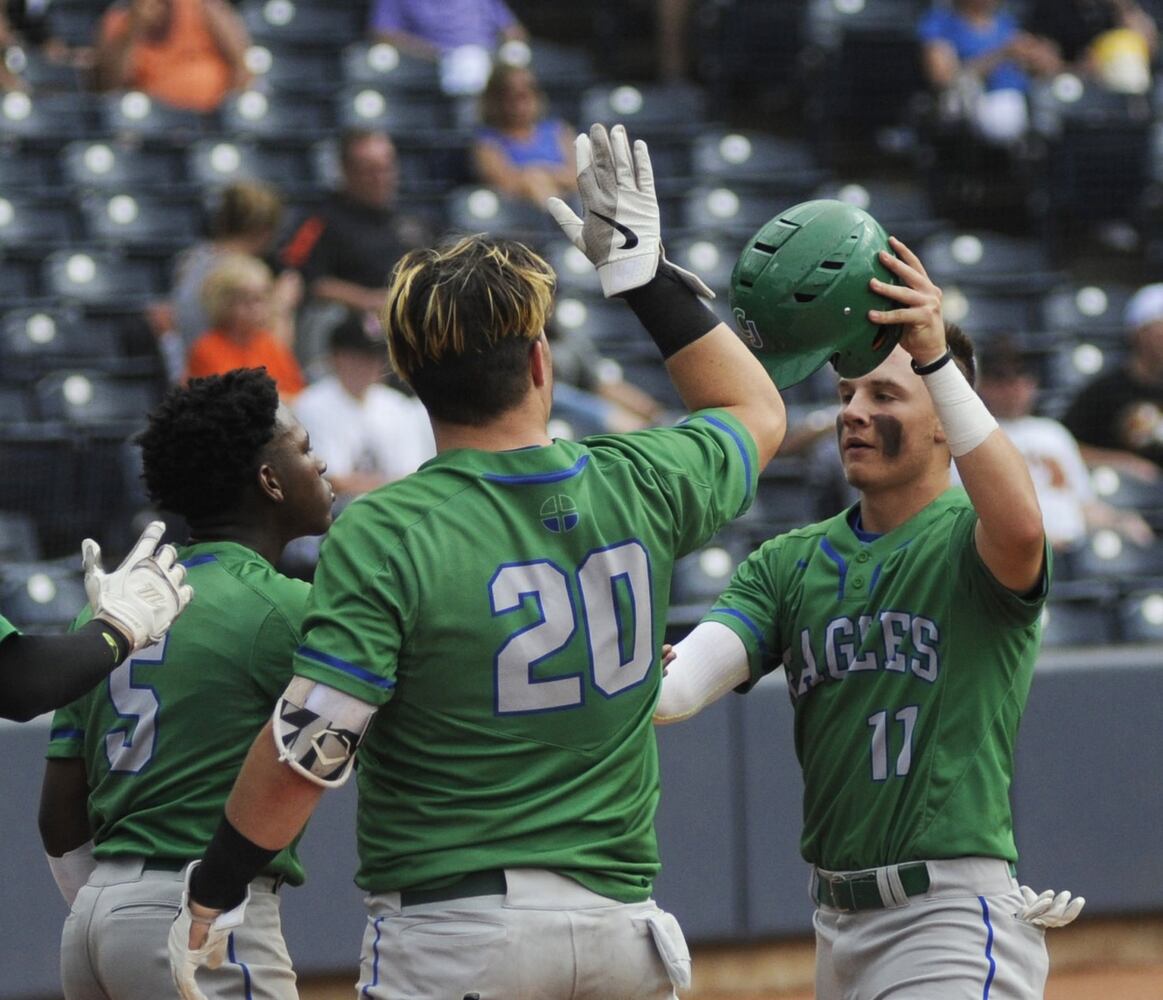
[[41, 672], [718, 370], [268, 807], [708, 663]]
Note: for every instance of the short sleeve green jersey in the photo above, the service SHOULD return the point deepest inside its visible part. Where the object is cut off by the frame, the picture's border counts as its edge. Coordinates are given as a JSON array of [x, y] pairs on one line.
[[6, 628], [908, 667], [507, 610], [164, 737]]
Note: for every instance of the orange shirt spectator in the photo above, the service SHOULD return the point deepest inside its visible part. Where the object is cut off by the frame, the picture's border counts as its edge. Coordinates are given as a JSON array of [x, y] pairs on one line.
[[237, 294], [188, 53]]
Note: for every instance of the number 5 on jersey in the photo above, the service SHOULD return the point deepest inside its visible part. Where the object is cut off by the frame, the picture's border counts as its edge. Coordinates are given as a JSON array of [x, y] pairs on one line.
[[129, 745]]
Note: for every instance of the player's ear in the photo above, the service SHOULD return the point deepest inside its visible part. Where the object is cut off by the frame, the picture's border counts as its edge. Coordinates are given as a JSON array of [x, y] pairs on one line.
[[268, 482], [540, 364]]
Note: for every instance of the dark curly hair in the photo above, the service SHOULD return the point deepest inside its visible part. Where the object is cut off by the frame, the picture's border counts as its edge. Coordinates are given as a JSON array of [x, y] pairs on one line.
[[201, 447]]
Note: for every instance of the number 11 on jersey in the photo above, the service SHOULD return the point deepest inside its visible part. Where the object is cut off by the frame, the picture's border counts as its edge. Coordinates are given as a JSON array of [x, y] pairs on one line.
[[878, 723]]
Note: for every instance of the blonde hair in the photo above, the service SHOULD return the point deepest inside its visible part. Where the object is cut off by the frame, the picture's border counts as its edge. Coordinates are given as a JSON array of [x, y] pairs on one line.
[[233, 272], [460, 319]]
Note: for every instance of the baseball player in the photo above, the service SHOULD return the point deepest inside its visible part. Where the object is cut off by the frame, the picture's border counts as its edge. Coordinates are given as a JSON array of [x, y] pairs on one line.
[[908, 626], [139, 768], [490, 626], [131, 608]]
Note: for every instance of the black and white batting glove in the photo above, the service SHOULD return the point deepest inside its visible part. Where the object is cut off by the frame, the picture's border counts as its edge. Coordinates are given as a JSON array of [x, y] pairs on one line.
[[620, 232], [143, 596], [184, 960], [1049, 909]]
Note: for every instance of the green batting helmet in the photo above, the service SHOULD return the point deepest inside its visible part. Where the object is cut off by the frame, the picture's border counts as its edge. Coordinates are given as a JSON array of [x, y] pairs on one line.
[[800, 294]]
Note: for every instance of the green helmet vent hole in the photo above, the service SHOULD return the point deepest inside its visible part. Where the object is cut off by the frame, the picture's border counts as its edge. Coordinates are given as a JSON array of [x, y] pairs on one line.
[[879, 339], [765, 247], [833, 265], [804, 296]]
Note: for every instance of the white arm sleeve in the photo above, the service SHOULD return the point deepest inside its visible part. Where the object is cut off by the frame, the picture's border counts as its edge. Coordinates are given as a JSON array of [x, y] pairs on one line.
[[72, 870], [708, 663]]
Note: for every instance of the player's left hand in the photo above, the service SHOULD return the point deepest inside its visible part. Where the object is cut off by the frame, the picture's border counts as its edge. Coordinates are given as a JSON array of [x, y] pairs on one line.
[[918, 312], [199, 940], [1049, 909]]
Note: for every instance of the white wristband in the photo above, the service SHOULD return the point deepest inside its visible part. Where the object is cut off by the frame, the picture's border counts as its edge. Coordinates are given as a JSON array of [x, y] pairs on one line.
[[966, 421]]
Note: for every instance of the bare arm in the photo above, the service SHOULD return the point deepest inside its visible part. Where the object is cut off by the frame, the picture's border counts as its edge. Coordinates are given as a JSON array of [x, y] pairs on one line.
[[63, 817], [1009, 535], [1125, 461], [231, 37], [349, 294], [718, 370]]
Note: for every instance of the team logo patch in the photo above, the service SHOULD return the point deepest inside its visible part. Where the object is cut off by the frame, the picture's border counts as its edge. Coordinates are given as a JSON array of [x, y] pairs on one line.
[[748, 331], [559, 514]]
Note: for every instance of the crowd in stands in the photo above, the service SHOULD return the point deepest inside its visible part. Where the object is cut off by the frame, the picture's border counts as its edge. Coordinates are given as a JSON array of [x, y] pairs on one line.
[[314, 146]]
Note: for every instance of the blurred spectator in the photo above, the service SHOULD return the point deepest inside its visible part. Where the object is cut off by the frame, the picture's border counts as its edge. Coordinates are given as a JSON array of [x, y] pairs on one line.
[[1118, 417], [518, 151], [346, 249], [461, 34], [1112, 41], [370, 433], [245, 220], [590, 392], [237, 295], [187, 53], [979, 62], [1007, 383], [9, 79]]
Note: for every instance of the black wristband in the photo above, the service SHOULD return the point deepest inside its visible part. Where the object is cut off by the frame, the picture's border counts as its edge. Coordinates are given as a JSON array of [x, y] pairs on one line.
[[118, 645], [672, 313], [230, 863], [932, 366]]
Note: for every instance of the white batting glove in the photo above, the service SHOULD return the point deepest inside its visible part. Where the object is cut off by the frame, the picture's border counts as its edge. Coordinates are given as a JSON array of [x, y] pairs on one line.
[[184, 960], [1047, 909], [620, 233], [143, 596]]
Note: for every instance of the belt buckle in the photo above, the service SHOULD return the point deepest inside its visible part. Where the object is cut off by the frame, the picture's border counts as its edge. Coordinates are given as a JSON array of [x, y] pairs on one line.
[[836, 882]]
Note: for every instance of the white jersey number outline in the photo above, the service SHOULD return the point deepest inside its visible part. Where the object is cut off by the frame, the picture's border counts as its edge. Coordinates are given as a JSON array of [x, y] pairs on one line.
[[878, 722], [129, 747], [601, 576]]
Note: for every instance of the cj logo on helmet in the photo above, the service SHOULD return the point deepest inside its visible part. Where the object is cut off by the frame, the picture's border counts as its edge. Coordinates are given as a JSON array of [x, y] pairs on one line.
[[747, 329]]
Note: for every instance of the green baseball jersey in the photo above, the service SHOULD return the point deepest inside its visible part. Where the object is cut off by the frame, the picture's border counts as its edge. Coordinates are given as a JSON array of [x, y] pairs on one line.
[[164, 737], [506, 610], [908, 667]]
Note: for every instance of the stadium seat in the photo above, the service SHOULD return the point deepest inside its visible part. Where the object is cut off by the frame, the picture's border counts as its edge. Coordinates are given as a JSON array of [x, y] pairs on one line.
[[100, 165], [1086, 620], [18, 541], [575, 274], [48, 119], [901, 207], [19, 282], [738, 158], [35, 224], [999, 262], [365, 107], [43, 596], [35, 341], [141, 221], [981, 312], [134, 115], [47, 457], [30, 170], [646, 110], [1069, 363], [44, 75], [603, 321], [734, 212], [254, 114], [1089, 309], [74, 22], [1129, 492], [1140, 615], [702, 576], [80, 396], [293, 68], [480, 209], [325, 25], [15, 403], [710, 258], [215, 162], [385, 68], [96, 277], [1107, 555]]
